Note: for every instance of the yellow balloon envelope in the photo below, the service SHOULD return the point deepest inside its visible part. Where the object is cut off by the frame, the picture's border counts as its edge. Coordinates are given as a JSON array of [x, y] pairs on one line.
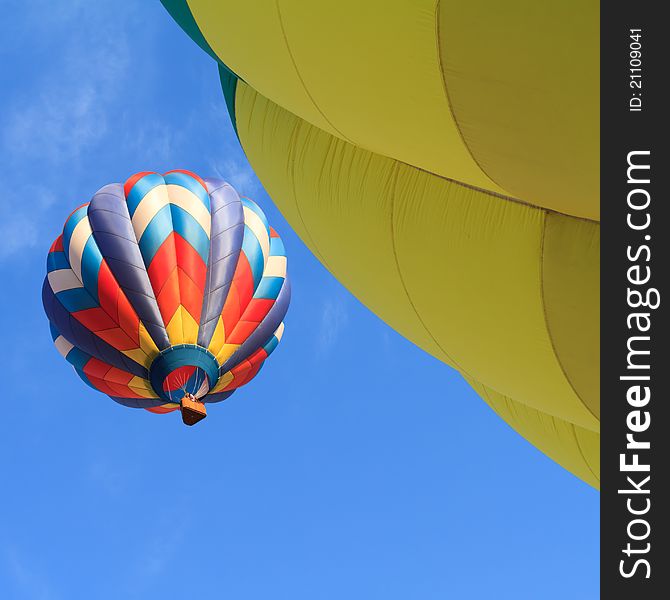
[[442, 161]]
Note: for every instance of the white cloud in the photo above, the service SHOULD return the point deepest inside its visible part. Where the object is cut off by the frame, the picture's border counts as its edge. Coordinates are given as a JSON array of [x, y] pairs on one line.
[[229, 163], [25, 577], [238, 173], [162, 549], [54, 120], [164, 542], [91, 104], [333, 319], [154, 141], [22, 214], [64, 112]]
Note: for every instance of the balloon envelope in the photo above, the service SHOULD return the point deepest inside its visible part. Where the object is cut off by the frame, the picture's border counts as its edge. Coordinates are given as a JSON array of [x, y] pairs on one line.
[[442, 161], [165, 286]]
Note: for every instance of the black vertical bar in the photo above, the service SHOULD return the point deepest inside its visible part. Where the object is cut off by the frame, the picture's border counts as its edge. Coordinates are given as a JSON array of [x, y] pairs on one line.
[[635, 534]]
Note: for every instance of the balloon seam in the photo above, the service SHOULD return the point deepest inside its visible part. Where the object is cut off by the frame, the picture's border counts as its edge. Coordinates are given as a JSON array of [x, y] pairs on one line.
[[445, 88], [302, 82], [402, 279], [546, 320]]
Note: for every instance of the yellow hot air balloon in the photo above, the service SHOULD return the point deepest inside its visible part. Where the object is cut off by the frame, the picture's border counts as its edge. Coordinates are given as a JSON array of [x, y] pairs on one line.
[[442, 161]]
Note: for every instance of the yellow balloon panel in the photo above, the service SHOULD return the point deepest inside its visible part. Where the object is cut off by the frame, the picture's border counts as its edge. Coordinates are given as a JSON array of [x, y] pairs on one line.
[[503, 97], [250, 39], [331, 64], [524, 83], [458, 271], [571, 290], [318, 165], [472, 264]]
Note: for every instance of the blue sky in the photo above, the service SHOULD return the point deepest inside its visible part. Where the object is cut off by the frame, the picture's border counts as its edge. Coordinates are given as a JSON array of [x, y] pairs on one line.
[[355, 466]]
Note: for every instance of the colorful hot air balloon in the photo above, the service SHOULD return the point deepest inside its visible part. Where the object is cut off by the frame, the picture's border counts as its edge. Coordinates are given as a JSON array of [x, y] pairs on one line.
[[442, 161], [167, 291]]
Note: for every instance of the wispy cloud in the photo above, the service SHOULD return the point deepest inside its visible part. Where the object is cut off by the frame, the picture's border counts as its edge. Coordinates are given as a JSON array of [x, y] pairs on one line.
[[156, 552], [238, 173], [27, 580], [21, 213], [53, 120], [97, 99], [60, 115], [161, 550], [333, 319], [230, 163], [153, 140]]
